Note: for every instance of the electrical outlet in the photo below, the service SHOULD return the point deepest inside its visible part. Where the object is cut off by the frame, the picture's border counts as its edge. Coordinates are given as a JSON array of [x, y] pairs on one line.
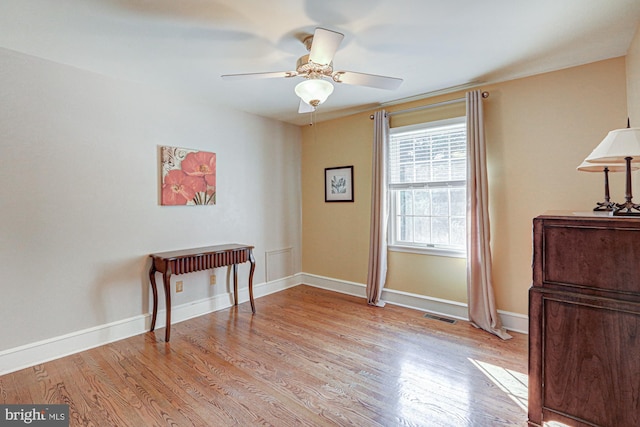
[[179, 286], [212, 279]]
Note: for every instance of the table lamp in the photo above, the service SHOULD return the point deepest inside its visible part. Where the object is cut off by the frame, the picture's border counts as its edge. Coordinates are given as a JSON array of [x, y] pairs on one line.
[[620, 146]]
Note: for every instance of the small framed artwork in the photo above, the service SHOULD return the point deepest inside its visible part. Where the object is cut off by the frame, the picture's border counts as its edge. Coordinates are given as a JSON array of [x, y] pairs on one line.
[[338, 184]]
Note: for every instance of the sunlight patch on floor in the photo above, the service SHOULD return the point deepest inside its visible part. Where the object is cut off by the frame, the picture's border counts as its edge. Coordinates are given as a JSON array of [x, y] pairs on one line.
[[427, 392], [511, 382]]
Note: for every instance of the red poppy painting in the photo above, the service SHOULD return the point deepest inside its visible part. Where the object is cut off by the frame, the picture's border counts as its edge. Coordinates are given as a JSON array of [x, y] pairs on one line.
[[188, 177]]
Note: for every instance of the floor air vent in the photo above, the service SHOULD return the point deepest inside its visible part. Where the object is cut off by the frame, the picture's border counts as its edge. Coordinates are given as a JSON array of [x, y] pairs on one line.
[[440, 318]]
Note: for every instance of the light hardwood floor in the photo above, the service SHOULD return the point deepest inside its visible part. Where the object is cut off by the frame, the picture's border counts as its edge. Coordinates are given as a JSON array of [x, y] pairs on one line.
[[308, 357]]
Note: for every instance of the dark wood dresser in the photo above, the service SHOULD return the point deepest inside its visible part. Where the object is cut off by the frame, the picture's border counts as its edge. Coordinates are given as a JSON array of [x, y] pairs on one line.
[[584, 320]]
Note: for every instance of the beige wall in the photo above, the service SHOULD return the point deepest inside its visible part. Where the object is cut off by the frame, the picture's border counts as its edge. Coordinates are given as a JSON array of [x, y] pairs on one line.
[[633, 80], [337, 234], [538, 130]]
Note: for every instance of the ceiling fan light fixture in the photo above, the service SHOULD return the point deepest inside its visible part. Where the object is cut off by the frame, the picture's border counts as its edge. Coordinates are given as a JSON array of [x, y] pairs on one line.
[[314, 91]]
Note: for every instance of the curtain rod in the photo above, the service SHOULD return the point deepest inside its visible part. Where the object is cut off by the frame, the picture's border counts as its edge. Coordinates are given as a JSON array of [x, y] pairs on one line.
[[426, 107]]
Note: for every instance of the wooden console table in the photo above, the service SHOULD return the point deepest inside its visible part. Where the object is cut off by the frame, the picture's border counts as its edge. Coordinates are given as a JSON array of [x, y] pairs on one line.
[[190, 260]]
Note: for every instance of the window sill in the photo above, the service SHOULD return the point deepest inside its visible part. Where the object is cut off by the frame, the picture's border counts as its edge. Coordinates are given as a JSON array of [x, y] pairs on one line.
[[428, 251]]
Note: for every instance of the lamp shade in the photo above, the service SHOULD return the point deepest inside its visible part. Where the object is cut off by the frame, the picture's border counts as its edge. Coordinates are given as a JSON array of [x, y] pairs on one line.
[[314, 91], [599, 167], [616, 146]]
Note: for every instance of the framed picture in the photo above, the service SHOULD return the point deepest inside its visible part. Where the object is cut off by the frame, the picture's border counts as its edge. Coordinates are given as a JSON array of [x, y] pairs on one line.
[[188, 177], [338, 184]]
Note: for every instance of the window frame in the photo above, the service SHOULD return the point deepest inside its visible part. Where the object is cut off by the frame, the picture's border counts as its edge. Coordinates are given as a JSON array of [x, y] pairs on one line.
[[427, 249]]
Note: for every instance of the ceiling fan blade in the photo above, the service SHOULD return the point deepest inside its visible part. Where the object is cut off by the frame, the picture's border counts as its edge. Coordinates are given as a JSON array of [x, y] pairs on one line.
[[259, 75], [324, 46], [305, 108], [371, 80]]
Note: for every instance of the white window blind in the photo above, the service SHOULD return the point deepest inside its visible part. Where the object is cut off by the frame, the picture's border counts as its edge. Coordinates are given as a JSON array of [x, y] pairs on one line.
[[427, 185]]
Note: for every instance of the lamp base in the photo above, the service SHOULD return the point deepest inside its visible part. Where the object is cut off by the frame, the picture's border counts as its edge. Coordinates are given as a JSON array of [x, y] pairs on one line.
[[628, 209], [605, 206]]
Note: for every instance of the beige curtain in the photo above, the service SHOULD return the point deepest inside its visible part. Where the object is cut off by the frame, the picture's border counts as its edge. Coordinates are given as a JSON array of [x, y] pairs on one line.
[[379, 212], [482, 307]]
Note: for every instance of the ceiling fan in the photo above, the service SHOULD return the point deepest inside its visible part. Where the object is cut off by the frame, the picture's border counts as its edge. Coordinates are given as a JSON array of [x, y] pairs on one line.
[[317, 68]]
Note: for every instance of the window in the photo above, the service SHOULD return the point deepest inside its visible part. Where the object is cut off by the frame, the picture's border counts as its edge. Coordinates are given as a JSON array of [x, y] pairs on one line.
[[427, 187]]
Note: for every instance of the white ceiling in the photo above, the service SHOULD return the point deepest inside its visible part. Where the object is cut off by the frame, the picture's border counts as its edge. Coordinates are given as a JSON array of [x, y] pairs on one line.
[[185, 45]]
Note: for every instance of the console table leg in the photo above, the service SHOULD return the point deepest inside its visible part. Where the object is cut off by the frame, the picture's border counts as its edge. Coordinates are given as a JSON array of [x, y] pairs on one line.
[[253, 267], [235, 284], [154, 290], [166, 278]]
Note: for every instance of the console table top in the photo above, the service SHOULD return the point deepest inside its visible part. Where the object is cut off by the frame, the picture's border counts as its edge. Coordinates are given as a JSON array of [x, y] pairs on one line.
[[200, 251]]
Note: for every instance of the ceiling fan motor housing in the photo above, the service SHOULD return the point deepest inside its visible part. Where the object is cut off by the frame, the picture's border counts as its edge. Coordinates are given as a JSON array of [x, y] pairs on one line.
[[306, 67]]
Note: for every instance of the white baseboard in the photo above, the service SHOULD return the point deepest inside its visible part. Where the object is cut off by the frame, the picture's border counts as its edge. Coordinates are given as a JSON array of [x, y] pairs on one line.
[[17, 358], [515, 322], [511, 321], [342, 286], [220, 302]]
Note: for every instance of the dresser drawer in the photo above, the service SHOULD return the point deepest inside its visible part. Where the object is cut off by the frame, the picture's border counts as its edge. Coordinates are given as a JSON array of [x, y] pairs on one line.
[[597, 255]]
